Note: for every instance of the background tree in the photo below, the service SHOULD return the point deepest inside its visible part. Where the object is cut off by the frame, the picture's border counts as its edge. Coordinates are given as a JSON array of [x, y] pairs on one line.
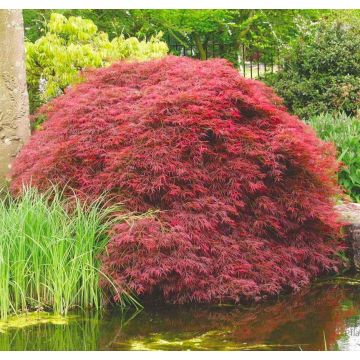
[[72, 44], [261, 29], [321, 70], [14, 105]]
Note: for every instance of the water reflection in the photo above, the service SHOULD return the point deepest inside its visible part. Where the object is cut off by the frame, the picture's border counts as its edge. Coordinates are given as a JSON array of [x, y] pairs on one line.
[[324, 316]]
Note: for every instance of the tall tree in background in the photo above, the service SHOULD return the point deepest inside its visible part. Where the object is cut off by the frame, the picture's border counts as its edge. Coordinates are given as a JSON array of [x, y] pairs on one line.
[[14, 103], [263, 31]]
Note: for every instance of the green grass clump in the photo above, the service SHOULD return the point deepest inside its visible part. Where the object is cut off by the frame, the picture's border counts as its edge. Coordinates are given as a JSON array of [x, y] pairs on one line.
[[49, 252], [344, 131]]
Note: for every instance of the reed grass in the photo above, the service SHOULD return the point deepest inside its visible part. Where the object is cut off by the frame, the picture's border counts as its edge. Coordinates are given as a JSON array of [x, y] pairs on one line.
[[49, 253]]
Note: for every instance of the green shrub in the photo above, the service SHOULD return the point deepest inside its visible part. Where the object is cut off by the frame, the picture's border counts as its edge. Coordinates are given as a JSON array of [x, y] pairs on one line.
[[344, 131], [321, 71], [49, 254], [53, 62]]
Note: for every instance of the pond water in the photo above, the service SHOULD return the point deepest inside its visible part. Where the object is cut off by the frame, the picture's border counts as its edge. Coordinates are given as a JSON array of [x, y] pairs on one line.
[[325, 316]]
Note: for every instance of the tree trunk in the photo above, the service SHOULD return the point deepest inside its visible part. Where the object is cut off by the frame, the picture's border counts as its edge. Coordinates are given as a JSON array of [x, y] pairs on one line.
[[14, 102], [200, 46]]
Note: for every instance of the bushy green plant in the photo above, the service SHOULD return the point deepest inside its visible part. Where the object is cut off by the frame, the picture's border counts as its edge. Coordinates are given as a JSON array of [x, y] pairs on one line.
[[344, 131], [322, 71], [72, 44], [49, 250]]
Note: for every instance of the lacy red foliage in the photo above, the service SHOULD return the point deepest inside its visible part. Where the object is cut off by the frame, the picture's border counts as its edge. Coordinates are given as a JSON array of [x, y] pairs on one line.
[[243, 188]]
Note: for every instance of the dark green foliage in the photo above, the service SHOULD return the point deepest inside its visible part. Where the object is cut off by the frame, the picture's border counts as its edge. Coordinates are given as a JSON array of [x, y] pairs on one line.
[[34, 23], [322, 71], [344, 131]]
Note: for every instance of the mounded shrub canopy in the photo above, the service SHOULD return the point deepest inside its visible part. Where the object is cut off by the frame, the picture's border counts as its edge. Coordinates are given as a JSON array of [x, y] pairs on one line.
[[243, 188]]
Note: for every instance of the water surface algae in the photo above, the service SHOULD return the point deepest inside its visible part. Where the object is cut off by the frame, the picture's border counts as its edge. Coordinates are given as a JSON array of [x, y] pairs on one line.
[[155, 341], [214, 340], [32, 319]]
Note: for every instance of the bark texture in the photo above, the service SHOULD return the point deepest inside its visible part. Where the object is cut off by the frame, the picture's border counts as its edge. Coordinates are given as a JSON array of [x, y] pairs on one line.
[[199, 45], [14, 103]]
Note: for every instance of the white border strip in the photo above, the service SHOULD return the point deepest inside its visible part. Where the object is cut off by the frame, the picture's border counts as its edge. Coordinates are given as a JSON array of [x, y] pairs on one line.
[[180, 355], [179, 4]]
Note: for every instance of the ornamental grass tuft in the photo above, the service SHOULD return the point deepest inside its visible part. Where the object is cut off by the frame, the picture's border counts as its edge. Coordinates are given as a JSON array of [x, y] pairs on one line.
[[49, 253]]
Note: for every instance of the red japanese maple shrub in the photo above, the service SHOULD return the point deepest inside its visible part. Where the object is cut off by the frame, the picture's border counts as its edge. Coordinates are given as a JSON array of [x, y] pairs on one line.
[[244, 189]]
